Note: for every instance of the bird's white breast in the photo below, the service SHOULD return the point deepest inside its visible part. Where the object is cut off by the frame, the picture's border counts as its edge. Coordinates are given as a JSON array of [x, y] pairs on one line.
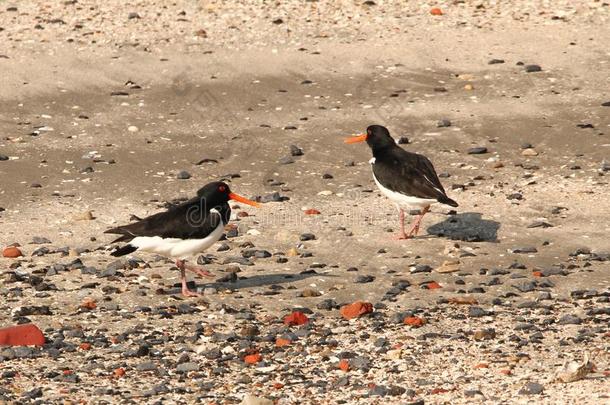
[[179, 248], [402, 200]]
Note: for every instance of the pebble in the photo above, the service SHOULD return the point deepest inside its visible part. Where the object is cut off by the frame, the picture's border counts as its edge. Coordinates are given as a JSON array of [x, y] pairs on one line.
[[307, 236], [531, 388], [478, 150], [183, 175], [444, 123], [532, 68], [495, 61], [296, 151], [529, 152], [186, 367], [525, 249], [569, 320], [364, 279]]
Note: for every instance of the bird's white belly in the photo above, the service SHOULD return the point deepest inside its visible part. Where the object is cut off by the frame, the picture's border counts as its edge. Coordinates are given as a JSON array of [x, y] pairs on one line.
[[402, 200], [175, 247]]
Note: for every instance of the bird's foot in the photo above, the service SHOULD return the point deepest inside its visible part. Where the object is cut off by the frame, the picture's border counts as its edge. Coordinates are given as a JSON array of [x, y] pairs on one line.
[[198, 270], [401, 236], [188, 293]]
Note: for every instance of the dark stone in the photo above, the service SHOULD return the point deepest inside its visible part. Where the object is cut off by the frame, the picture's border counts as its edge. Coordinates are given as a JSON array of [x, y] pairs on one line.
[[307, 236], [531, 388], [478, 150], [296, 151], [365, 279], [183, 175], [525, 249], [532, 68]]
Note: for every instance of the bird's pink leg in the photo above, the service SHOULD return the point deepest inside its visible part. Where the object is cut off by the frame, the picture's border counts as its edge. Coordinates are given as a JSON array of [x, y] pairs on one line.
[[415, 228], [185, 290], [402, 234], [198, 270]]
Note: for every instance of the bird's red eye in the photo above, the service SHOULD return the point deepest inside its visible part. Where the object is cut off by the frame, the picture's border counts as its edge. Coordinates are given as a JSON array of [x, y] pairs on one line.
[[222, 189]]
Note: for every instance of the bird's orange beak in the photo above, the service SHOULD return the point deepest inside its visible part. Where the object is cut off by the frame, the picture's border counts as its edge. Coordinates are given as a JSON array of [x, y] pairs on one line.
[[356, 139], [244, 200]]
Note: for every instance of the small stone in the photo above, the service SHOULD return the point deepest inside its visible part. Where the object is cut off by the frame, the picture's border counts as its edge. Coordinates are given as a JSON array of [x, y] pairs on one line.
[[495, 61], [479, 150], [533, 68], [476, 312], [529, 152], [132, 128], [296, 151], [403, 140], [250, 399], [309, 292], [286, 160], [146, 366], [3, 157], [186, 367], [364, 279], [183, 175], [133, 15], [449, 266], [84, 216], [307, 236], [249, 331], [420, 268], [531, 388], [484, 334], [328, 305], [540, 224], [525, 249], [569, 320], [444, 123]]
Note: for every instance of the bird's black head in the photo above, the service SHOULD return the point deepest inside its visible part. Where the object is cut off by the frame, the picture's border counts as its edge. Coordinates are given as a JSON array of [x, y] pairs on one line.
[[218, 192], [377, 137]]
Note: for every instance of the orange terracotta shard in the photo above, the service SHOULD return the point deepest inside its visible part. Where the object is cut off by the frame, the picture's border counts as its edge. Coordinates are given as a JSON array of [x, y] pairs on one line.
[[11, 252], [344, 365], [295, 319], [22, 335], [356, 309], [414, 321], [253, 358]]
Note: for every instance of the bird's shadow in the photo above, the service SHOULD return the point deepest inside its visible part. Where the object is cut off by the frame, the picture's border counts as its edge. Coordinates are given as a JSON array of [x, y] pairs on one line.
[[251, 281], [468, 226]]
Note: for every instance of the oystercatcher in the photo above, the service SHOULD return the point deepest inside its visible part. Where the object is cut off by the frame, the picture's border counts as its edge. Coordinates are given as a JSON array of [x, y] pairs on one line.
[[406, 178], [182, 231]]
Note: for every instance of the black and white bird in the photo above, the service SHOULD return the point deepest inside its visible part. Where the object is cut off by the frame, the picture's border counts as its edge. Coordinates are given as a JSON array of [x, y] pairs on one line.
[[406, 178], [182, 231]]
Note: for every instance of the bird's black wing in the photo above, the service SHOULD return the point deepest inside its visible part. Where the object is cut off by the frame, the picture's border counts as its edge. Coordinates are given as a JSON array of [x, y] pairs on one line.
[[410, 174], [189, 220]]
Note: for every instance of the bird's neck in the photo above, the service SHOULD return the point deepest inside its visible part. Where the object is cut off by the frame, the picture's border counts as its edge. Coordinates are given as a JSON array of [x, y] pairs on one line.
[[379, 150]]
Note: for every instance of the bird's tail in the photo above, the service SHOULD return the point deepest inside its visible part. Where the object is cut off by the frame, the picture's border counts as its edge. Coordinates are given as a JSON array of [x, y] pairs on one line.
[[125, 250], [448, 201]]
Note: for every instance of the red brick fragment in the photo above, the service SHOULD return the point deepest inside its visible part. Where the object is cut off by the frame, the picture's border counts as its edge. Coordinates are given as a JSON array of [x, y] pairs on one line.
[[22, 335], [253, 358], [11, 252], [295, 319], [356, 309], [414, 321]]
